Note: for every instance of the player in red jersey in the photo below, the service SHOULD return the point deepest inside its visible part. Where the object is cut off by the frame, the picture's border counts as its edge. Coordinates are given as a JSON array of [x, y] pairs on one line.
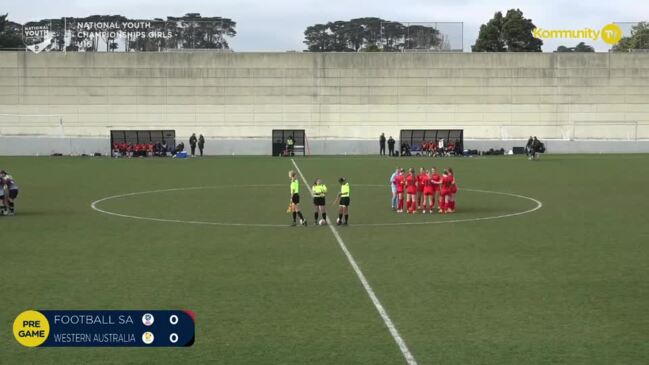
[[429, 197], [399, 182], [445, 192], [436, 182], [421, 182], [436, 179], [451, 195], [411, 191]]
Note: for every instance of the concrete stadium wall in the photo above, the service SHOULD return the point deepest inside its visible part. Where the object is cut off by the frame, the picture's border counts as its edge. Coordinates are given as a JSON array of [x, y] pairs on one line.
[[344, 101]]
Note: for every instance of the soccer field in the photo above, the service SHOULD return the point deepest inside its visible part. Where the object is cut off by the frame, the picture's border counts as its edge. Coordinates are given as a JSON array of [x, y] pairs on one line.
[[543, 262]]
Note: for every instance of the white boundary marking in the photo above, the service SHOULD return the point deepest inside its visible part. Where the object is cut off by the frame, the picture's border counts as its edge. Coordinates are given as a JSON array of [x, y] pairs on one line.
[[94, 206], [370, 292]]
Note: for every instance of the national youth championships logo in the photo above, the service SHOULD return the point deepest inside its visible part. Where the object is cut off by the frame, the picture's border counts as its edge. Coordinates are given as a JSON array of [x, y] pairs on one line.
[[610, 33]]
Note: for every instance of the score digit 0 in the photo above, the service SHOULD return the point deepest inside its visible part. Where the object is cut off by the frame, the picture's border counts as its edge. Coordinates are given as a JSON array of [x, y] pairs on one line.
[[173, 319]]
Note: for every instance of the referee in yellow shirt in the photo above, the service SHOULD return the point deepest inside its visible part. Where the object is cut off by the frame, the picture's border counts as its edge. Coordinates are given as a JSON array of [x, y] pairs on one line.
[[319, 194], [343, 202], [295, 199]]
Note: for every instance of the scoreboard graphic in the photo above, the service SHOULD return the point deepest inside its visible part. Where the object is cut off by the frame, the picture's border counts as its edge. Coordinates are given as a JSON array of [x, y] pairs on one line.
[[105, 328]]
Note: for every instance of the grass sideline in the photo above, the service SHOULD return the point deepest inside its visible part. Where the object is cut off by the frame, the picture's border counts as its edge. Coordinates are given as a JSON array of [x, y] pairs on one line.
[[563, 284]]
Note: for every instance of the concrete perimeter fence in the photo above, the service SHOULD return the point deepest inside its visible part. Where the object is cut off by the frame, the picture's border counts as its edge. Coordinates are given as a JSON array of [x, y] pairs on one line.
[[68, 103]]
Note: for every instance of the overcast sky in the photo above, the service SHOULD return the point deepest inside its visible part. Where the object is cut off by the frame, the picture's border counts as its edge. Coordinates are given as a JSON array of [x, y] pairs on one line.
[[278, 25]]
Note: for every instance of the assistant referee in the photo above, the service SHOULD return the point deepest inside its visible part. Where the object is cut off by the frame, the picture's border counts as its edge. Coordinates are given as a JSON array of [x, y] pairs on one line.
[[295, 198]]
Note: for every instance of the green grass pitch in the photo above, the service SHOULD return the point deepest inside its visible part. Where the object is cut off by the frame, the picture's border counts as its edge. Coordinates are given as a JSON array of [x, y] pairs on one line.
[[567, 283]]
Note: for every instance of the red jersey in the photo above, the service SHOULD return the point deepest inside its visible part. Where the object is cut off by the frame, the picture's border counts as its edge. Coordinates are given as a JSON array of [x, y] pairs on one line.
[[399, 182], [428, 185], [421, 181], [447, 183], [436, 178], [411, 184], [453, 185]]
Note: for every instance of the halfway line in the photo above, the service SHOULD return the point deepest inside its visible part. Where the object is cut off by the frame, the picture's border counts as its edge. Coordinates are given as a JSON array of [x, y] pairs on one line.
[[370, 292]]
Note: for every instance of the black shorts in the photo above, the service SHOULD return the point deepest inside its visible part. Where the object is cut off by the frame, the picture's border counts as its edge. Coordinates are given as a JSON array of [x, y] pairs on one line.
[[319, 201], [344, 201], [295, 198], [13, 194]]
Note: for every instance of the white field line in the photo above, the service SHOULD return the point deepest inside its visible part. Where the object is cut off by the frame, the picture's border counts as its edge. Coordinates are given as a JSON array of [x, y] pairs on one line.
[[94, 206], [370, 292]]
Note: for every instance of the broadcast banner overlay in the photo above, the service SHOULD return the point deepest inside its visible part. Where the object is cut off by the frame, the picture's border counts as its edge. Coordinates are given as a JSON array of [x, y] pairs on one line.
[[109, 328]]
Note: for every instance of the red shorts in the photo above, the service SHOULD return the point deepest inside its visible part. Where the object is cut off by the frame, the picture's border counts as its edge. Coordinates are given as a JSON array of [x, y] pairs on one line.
[[420, 189], [429, 191], [445, 191], [453, 189], [412, 190], [399, 191]]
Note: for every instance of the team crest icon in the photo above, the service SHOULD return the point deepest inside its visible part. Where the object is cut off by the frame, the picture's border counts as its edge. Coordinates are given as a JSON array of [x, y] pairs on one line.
[[147, 319], [147, 338]]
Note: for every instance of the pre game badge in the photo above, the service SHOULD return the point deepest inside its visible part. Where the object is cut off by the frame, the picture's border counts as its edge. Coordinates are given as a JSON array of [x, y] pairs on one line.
[[31, 328]]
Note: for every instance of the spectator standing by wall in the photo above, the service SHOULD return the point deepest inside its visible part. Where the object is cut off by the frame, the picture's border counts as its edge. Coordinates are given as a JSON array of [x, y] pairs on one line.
[[528, 146], [382, 145], [201, 144], [192, 143], [391, 142], [290, 144]]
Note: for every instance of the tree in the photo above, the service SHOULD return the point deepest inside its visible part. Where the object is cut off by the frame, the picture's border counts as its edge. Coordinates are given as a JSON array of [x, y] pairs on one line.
[[581, 47], [490, 37], [370, 35], [10, 37], [639, 39], [509, 33], [318, 38]]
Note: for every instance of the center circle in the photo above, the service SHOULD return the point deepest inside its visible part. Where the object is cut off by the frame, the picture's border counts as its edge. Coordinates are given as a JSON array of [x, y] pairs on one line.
[[238, 205]]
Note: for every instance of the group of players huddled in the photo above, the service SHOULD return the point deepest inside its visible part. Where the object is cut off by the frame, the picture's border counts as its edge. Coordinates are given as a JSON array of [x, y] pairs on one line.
[[8, 194], [319, 192], [420, 191]]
